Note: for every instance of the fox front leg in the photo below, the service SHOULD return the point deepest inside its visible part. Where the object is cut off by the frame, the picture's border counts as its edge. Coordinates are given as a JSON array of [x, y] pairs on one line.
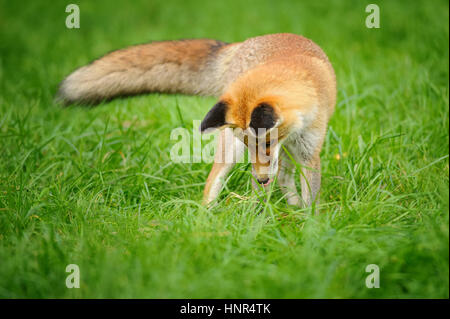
[[310, 179], [229, 151], [286, 180]]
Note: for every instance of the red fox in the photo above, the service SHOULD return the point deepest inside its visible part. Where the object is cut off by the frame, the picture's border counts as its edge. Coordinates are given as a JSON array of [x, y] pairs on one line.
[[277, 81]]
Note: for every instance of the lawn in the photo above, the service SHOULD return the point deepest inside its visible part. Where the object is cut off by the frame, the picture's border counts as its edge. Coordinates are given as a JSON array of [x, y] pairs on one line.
[[96, 187]]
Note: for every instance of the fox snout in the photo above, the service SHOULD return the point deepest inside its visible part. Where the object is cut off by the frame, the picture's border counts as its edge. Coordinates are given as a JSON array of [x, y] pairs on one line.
[[265, 181], [265, 162], [264, 173]]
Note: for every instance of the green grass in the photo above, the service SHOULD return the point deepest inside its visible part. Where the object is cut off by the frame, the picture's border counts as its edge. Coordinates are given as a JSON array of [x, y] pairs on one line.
[[96, 187]]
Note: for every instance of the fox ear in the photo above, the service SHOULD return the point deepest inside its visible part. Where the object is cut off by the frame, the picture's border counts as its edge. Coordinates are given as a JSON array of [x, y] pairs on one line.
[[215, 118], [264, 117]]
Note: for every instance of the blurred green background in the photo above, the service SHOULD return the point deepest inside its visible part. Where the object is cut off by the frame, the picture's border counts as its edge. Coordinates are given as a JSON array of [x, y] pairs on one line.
[[96, 187]]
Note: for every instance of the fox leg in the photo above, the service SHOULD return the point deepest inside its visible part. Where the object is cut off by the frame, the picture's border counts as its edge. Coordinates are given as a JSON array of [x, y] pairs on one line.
[[229, 151], [286, 180], [310, 180]]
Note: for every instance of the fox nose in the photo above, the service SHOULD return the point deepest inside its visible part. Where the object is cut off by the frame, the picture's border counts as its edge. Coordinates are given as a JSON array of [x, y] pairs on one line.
[[263, 180]]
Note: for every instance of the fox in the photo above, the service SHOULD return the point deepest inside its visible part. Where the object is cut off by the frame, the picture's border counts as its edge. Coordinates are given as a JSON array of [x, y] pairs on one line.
[[283, 82]]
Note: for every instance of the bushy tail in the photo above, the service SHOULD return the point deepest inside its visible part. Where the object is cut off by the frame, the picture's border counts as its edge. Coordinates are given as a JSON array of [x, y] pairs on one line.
[[183, 66]]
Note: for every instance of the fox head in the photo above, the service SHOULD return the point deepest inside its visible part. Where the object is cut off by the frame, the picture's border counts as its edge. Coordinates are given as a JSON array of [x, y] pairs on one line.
[[262, 107], [259, 135]]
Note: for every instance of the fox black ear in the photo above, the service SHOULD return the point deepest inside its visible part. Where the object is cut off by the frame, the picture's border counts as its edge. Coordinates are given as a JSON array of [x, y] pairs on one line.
[[263, 116], [215, 118]]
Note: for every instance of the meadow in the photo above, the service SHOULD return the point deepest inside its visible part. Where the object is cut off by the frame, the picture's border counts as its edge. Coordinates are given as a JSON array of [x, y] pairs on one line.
[[96, 187]]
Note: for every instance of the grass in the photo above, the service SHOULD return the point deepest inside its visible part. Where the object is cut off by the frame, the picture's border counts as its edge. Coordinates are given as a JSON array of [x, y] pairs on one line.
[[96, 187]]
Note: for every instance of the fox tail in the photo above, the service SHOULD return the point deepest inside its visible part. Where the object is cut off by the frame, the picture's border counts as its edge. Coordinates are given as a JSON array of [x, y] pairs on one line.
[[183, 66]]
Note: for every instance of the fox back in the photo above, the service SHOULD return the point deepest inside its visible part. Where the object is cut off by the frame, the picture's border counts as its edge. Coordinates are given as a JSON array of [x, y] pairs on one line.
[[198, 67]]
